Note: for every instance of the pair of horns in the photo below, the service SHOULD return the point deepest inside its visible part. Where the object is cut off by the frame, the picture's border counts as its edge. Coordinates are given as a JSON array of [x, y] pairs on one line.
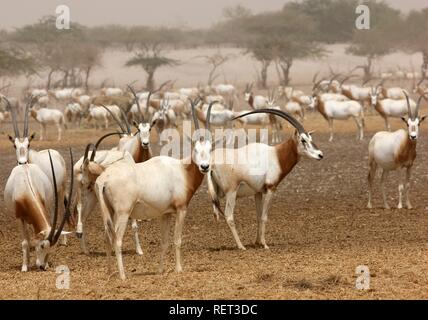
[[29, 105], [418, 104], [194, 103]]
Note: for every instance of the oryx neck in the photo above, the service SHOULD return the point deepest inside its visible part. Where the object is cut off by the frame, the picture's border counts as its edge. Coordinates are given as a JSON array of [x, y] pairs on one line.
[[287, 156]]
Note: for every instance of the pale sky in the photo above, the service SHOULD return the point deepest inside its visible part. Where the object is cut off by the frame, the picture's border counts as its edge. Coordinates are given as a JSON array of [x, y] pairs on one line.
[[193, 13]]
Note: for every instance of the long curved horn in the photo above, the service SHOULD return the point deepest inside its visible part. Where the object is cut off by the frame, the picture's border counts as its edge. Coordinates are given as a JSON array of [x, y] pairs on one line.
[[136, 101], [13, 113], [314, 78], [119, 123], [88, 147], [125, 120], [67, 212], [27, 108], [317, 84], [55, 217], [285, 115], [193, 104], [409, 110], [208, 118], [100, 140], [418, 104]]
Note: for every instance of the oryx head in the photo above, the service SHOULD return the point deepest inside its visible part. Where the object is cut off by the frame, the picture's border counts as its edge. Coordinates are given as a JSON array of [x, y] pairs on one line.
[[48, 238], [21, 144], [143, 127], [271, 99], [414, 120], [248, 91], [201, 153], [374, 95], [303, 139]]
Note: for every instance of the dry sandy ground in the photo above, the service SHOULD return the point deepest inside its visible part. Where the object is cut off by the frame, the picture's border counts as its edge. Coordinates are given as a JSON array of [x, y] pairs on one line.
[[319, 231]]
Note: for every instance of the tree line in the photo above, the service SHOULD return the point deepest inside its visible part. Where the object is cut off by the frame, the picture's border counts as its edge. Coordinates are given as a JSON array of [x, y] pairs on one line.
[[300, 30]]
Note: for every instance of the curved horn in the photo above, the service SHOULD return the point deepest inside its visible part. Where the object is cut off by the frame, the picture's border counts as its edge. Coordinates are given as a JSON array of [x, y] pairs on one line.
[[209, 114], [115, 118], [317, 84], [125, 120], [13, 113], [409, 110], [101, 139], [285, 115], [138, 105], [27, 108], [193, 104], [88, 147], [55, 217], [67, 212], [418, 104], [314, 78]]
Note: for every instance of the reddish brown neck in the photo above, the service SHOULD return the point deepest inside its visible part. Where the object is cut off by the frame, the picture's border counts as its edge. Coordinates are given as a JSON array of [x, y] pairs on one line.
[[287, 156], [194, 179], [251, 100]]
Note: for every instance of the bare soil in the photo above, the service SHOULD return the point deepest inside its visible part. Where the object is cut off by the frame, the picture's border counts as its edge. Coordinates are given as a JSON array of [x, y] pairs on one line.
[[319, 231]]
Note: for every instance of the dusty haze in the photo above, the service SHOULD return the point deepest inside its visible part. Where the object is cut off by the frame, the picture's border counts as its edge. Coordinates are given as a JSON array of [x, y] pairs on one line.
[[191, 13]]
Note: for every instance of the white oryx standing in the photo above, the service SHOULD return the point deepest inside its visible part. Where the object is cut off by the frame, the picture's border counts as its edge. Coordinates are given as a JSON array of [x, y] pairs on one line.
[[391, 107], [123, 193], [28, 194], [25, 154], [395, 150], [73, 113], [137, 145], [340, 110], [256, 169], [45, 117], [255, 102], [111, 92], [99, 115]]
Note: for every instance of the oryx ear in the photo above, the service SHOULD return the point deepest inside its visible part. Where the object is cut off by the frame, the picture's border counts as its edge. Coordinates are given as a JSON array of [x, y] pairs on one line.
[[422, 119], [12, 139], [135, 124], [153, 123], [311, 132], [404, 120], [33, 135], [95, 168]]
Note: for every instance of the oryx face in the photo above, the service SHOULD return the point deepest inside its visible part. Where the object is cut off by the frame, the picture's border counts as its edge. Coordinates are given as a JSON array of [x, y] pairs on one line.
[[311, 103], [42, 249], [144, 134], [373, 98], [306, 147], [413, 127], [22, 147], [202, 155], [247, 96]]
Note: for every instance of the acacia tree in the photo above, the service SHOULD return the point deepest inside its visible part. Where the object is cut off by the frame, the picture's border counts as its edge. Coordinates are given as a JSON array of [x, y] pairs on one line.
[[215, 61], [14, 62], [378, 41], [150, 58], [415, 36]]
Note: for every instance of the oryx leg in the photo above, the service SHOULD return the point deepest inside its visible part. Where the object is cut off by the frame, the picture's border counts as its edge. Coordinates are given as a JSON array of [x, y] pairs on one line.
[[138, 249], [59, 129], [267, 200], [165, 231], [387, 125], [258, 197], [360, 134], [382, 182], [330, 126], [25, 247], [85, 207], [120, 227], [400, 191], [42, 132], [370, 178], [230, 206], [179, 221], [407, 187], [106, 123]]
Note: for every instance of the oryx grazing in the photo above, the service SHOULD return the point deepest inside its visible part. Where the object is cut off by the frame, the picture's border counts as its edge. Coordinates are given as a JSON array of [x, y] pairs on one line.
[[395, 150], [255, 102], [29, 194], [45, 117], [391, 107], [138, 146], [340, 110], [256, 169], [122, 192], [73, 113], [26, 155]]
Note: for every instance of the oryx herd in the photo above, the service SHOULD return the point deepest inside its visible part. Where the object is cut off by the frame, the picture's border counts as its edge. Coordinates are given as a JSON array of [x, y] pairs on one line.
[[131, 182]]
